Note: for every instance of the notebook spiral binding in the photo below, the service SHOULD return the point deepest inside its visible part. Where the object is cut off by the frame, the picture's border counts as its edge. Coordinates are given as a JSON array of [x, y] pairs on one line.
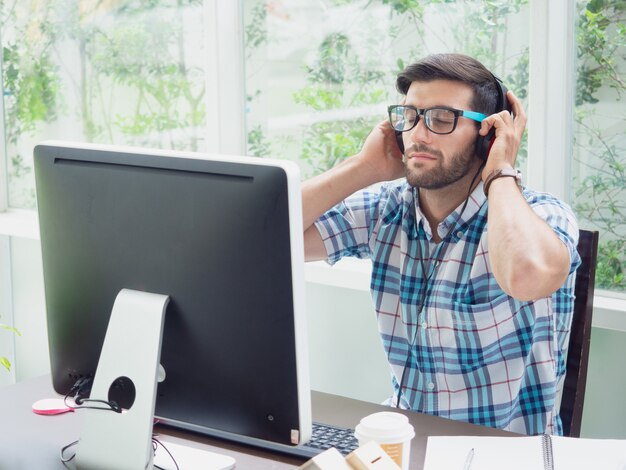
[[546, 444]]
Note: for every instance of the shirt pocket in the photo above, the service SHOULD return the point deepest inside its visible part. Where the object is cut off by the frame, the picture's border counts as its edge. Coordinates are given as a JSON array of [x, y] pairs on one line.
[[492, 332]]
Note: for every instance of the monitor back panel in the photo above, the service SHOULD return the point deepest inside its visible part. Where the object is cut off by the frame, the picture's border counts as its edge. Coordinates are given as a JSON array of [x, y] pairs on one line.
[[212, 237]]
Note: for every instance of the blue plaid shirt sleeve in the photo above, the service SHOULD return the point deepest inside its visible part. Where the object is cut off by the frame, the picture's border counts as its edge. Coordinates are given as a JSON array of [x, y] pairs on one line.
[[347, 228], [560, 217]]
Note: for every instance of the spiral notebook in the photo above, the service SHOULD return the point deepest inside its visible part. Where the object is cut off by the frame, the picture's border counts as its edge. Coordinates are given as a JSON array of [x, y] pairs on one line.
[[524, 453]]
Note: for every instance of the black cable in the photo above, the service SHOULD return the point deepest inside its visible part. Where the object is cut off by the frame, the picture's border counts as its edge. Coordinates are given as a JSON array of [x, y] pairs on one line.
[[64, 460], [81, 390], [155, 444], [424, 291]]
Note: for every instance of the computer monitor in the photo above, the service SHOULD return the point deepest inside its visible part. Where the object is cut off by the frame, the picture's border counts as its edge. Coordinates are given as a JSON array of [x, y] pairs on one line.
[[222, 237]]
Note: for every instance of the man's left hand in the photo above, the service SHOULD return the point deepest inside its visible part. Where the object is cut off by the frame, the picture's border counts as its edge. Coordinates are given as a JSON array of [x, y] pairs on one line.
[[509, 132]]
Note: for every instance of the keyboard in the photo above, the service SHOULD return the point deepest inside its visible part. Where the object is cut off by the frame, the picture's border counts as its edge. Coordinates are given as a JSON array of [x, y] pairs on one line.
[[324, 437]]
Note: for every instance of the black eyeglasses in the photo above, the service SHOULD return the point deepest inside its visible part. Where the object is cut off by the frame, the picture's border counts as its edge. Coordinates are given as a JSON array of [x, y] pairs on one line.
[[439, 120]]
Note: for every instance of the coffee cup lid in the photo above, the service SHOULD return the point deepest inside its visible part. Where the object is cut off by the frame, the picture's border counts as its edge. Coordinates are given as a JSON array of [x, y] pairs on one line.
[[385, 427]]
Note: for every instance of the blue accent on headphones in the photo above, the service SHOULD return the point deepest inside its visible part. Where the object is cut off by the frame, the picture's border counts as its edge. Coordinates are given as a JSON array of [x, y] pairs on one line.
[[483, 143]]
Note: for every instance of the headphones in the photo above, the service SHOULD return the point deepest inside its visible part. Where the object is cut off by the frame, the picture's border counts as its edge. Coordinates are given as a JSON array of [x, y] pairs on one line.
[[483, 143]]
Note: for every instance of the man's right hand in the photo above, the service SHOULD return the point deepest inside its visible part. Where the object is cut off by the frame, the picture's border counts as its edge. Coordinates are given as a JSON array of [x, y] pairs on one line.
[[379, 160], [381, 155]]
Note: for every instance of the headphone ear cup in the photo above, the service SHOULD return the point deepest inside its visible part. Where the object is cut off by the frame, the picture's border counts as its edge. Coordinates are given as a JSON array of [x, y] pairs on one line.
[[400, 141], [483, 144]]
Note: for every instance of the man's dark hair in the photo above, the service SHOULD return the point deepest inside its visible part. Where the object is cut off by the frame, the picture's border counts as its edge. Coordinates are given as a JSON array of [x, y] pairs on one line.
[[457, 67]]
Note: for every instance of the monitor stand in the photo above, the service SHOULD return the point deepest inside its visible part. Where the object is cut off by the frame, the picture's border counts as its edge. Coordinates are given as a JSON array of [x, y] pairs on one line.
[[130, 353]]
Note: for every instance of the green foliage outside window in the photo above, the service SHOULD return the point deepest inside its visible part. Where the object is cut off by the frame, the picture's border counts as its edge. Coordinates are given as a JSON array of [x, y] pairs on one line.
[[4, 362], [133, 82], [601, 148], [340, 79], [118, 71]]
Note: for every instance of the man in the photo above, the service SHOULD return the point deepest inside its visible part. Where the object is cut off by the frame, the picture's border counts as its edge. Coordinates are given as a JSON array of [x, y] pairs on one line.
[[472, 277]]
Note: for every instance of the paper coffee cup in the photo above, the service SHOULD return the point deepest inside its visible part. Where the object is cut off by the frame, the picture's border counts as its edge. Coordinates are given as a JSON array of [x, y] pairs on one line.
[[392, 431]]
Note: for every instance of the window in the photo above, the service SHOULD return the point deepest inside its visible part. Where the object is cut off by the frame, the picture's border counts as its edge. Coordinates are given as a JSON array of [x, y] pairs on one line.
[[319, 75], [106, 72], [314, 92], [599, 161]]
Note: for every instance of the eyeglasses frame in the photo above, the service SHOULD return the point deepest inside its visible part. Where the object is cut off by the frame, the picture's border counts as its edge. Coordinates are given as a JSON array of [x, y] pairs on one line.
[[420, 112]]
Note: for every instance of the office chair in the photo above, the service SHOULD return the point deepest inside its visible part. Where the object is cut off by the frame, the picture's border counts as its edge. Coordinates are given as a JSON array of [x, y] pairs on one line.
[[573, 395]]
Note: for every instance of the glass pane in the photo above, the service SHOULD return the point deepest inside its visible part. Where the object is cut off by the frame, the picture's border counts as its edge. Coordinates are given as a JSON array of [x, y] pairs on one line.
[[599, 163], [402, 118], [108, 72], [320, 74]]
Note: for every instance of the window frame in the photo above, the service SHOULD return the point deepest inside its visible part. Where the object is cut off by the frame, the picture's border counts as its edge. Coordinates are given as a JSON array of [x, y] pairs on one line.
[[226, 119], [551, 86], [4, 178]]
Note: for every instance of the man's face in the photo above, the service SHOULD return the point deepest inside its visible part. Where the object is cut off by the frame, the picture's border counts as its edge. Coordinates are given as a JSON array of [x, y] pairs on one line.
[[434, 161]]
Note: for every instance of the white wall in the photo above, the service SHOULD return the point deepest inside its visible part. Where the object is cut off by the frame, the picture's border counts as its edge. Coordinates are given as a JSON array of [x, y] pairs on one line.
[[6, 309], [347, 357], [31, 349], [604, 413]]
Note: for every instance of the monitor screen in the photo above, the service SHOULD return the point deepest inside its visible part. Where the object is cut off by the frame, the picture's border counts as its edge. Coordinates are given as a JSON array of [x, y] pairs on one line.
[[222, 237]]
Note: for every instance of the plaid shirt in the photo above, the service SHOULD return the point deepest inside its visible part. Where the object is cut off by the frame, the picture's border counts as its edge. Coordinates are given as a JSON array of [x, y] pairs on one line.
[[462, 348]]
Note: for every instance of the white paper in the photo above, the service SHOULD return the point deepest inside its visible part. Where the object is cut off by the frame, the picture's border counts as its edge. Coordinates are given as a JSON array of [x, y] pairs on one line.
[[523, 453], [490, 453]]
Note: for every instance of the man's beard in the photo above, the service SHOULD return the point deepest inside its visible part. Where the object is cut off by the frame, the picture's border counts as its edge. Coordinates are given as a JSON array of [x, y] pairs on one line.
[[442, 175]]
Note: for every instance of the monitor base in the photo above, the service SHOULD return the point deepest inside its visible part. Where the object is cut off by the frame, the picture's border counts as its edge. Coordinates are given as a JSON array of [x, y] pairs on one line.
[[191, 458]]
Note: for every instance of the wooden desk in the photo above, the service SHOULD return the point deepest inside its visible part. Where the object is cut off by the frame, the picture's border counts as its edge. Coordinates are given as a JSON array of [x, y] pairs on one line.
[[29, 441]]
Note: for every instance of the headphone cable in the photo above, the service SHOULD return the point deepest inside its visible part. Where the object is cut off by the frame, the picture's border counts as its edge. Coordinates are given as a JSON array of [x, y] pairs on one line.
[[424, 291]]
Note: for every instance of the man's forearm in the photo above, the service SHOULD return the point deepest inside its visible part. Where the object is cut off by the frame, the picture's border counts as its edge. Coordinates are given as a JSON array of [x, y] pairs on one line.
[[527, 258], [331, 187]]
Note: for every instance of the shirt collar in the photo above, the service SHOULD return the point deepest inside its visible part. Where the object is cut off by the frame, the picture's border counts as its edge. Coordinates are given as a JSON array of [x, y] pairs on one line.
[[459, 218]]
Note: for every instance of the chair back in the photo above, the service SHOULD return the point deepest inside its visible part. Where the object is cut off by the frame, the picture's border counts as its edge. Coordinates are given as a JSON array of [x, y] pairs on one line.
[[573, 395]]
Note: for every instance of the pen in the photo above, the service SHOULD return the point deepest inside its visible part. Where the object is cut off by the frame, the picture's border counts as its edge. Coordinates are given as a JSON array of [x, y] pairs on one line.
[[468, 460]]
